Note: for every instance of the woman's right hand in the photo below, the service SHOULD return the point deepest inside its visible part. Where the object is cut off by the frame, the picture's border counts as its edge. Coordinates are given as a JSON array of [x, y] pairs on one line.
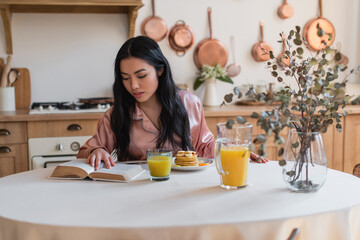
[[99, 155]]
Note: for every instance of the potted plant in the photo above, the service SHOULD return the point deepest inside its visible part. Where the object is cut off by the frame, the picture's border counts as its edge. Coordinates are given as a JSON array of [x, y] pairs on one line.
[[308, 107], [209, 74]]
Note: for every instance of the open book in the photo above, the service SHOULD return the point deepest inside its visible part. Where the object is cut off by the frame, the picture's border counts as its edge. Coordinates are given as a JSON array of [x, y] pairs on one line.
[[79, 169]]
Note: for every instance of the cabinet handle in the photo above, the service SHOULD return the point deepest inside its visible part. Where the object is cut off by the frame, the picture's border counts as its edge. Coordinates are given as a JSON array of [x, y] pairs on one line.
[[74, 127], [5, 150], [4, 132]]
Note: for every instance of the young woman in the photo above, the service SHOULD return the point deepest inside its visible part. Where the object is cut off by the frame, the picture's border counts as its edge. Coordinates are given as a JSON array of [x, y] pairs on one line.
[[149, 111]]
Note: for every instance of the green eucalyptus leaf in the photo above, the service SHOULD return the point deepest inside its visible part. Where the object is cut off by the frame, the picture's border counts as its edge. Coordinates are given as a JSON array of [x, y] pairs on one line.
[[240, 120], [229, 123], [297, 42], [337, 56], [254, 115], [261, 138], [299, 50], [290, 173], [228, 97], [280, 153], [236, 91], [295, 145], [274, 73], [282, 162]]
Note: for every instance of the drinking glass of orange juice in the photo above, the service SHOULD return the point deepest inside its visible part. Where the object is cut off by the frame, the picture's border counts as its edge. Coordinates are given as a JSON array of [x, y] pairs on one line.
[[232, 154], [159, 161]]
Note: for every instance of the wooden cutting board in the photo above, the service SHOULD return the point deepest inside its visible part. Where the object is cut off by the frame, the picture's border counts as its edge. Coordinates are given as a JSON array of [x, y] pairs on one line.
[[23, 89]]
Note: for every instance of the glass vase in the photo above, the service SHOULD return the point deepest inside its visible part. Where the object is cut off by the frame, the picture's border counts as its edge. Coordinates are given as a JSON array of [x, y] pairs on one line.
[[305, 166]]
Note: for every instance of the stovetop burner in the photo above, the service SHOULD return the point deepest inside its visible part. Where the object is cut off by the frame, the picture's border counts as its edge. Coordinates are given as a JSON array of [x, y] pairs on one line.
[[71, 107]]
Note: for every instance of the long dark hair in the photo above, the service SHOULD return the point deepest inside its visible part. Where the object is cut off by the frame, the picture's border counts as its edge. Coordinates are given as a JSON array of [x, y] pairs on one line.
[[173, 118]]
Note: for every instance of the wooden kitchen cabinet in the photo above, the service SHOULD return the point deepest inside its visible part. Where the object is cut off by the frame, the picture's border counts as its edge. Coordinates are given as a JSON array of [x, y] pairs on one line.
[[351, 142], [13, 148], [7, 7], [64, 128]]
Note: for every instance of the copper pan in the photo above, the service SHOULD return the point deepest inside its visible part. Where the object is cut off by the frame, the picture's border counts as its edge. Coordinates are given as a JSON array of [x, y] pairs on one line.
[[285, 10], [210, 51], [153, 26], [283, 59], [310, 32], [181, 38], [257, 50]]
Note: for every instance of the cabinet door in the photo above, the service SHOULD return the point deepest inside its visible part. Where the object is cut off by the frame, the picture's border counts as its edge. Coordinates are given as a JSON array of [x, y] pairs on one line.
[[351, 142], [13, 159]]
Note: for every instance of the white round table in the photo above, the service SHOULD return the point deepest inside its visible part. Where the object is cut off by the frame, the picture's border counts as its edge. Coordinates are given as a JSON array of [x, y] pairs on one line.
[[191, 205]]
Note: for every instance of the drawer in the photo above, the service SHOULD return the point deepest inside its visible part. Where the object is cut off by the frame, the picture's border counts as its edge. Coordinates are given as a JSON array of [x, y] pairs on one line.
[[14, 132], [13, 159], [61, 128]]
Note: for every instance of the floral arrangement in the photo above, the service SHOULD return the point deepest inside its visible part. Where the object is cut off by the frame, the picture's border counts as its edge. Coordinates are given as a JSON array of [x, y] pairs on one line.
[[311, 106], [209, 72]]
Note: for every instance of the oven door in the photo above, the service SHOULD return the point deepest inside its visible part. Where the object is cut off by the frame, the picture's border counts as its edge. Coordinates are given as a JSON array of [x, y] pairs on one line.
[[49, 161]]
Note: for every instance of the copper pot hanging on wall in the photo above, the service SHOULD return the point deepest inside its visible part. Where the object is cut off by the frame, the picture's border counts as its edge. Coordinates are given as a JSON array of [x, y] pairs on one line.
[[153, 26], [260, 50], [181, 38], [310, 32], [285, 10], [210, 51]]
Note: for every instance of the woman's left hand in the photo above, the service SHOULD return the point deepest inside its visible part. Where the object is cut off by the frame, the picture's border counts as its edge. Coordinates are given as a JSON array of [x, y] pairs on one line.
[[256, 158]]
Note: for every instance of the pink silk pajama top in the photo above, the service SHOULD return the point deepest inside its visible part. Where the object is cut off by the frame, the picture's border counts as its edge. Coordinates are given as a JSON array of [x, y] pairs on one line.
[[143, 133]]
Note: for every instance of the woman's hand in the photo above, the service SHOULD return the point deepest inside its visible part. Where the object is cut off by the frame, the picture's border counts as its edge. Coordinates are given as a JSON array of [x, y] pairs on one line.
[[99, 155], [256, 158]]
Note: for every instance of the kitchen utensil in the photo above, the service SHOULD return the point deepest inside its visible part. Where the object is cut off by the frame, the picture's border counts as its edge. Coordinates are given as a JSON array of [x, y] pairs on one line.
[[310, 32], [257, 50], [13, 76], [210, 51], [153, 26], [283, 59], [285, 10], [233, 69], [23, 89], [4, 76], [181, 38]]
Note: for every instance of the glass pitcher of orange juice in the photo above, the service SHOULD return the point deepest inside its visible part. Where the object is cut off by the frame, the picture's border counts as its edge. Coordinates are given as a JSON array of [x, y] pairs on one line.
[[232, 154]]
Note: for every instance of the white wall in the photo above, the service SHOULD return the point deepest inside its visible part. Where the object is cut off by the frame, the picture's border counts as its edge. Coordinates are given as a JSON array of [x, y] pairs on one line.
[[71, 56]]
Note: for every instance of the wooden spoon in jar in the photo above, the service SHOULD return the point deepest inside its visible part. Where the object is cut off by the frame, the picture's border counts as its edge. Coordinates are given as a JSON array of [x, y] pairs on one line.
[[4, 77]]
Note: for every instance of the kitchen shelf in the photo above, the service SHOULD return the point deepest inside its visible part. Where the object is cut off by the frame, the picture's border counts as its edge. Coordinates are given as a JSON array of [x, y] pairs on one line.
[[7, 7]]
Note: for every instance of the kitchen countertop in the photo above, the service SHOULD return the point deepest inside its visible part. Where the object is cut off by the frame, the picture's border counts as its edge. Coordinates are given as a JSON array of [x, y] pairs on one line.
[[229, 110]]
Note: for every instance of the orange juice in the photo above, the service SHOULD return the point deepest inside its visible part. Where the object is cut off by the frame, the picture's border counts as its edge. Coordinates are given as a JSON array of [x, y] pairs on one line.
[[159, 166], [234, 162]]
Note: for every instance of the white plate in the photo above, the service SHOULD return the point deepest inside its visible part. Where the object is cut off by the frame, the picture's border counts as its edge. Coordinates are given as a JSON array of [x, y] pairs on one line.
[[194, 168]]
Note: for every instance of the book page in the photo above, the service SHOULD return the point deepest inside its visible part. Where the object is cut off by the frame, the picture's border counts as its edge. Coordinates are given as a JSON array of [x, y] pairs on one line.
[[73, 169], [120, 172]]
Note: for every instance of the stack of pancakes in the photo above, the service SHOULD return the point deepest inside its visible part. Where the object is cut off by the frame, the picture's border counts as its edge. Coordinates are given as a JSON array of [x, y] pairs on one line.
[[186, 158]]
